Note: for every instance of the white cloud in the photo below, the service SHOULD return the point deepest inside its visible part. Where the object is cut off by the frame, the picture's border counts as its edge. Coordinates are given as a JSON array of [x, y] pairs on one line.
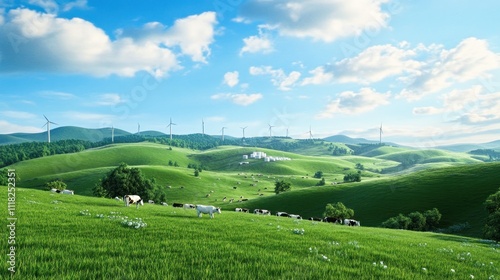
[[279, 78], [322, 20], [319, 76], [471, 59], [80, 4], [109, 99], [375, 64], [57, 95], [8, 128], [256, 44], [231, 78], [351, 103], [43, 42], [50, 6], [239, 99], [18, 115]]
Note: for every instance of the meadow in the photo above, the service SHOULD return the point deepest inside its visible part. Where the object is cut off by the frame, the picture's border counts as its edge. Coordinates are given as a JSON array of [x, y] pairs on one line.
[[80, 237]]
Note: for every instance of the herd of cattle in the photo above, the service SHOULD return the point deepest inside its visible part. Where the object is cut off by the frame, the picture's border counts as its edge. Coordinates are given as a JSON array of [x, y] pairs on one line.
[[211, 210]]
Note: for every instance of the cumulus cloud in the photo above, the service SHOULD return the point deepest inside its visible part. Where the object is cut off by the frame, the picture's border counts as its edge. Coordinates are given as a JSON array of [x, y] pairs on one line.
[[256, 44], [279, 78], [352, 103], [231, 78], [239, 99], [471, 59], [44, 42], [322, 20], [319, 76]]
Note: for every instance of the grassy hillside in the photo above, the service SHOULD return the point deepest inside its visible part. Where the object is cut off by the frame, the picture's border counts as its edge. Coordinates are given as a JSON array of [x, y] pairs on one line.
[[76, 237], [458, 193], [375, 199]]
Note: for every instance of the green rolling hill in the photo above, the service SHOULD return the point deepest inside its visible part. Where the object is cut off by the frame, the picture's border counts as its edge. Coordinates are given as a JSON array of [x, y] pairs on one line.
[[458, 191]]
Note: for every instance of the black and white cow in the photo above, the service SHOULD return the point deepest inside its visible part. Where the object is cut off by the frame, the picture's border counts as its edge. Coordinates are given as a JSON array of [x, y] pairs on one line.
[[189, 206], [238, 209], [293, 216], [332, 220], [131, 199], [315, 219], [261, 212], [177, 205], [352, 223], [282, 214]]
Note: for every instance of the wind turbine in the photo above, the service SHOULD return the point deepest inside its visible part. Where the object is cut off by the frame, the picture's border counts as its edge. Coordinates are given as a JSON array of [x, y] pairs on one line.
[[270, 130], [48, 127], [223, 132], [381, 134], [138, 128], [310, 133], [287, 132], [112, 134], [243, 128], [170, 126], [202, 127]]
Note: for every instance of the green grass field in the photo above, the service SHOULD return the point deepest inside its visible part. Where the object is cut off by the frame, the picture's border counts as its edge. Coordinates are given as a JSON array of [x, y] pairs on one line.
[[56, 239]]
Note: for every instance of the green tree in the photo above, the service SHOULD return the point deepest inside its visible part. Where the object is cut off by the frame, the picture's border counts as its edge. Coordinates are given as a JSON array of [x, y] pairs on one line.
[[282, 186], [56, 184], [399, 222], [321, 182], [196, 173], [338, 211], [124, 180], [318, 174], [432, 218], [491, 229], [417, 221], [352, 177]]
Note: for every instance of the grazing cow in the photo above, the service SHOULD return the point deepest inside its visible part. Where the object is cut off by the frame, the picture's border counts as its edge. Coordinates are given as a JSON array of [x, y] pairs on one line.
[[293, 216], [245, 210], [208, 195], [224, 199], [177, 205], [244, 199], [351, 223], [151, 201], [282, 214], [315, 219], [68, 192], [231, 200], [164, 203], [332, 220], [118, 198], [238, 210], [204, 209], [55, 190], [131, 199], [262, 212], [189, 206]]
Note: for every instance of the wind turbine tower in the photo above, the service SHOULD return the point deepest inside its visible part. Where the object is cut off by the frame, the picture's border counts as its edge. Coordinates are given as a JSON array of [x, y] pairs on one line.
[[138, 128], [202, 127], [170, 126], [48, 127], [270, 130], [287, 132], [310, 133], [223, 133], [243, 128], [381, 134], [112, 134]]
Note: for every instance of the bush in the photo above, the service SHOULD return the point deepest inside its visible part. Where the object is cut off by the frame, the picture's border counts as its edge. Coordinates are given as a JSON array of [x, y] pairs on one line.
[[282, 186], [338, 211], [353, 177], [417, 221], [318, 174], [321, 182], [56, 184], [492, 227]]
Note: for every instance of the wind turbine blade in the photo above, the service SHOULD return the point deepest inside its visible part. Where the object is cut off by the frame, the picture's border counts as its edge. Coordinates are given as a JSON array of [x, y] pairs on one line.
[[46, 118]]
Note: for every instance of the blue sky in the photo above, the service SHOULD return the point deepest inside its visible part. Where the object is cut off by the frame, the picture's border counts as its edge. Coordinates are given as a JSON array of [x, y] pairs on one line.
[[428, 71]]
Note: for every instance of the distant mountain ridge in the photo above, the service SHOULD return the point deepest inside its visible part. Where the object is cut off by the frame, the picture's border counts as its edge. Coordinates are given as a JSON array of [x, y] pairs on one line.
[[99, 134]]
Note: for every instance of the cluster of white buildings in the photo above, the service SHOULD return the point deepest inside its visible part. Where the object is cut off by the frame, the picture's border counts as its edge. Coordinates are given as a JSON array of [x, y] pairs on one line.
[[262, 155]]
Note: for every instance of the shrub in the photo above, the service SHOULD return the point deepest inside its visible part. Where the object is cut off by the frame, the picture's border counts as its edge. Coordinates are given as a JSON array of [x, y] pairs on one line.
[[318, 174], [56, 184], [417, 221], [338, 211], [281, 186]]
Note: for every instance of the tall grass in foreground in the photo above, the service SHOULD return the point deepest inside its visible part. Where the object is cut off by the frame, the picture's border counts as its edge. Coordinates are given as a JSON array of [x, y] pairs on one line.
[[75, 237]]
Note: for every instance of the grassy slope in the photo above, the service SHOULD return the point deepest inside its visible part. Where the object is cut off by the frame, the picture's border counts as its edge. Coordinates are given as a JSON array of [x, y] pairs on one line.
[[458, 197], [458, 192], [54, 241]]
